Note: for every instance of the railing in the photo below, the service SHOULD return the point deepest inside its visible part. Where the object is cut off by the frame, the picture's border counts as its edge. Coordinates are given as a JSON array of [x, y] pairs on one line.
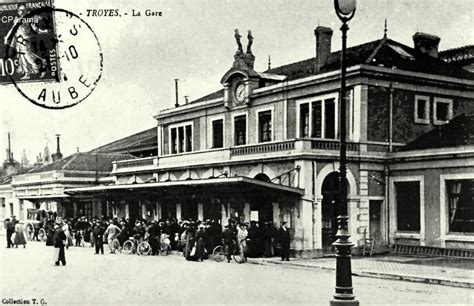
[[132, 163], [332, 145], [263, 148]]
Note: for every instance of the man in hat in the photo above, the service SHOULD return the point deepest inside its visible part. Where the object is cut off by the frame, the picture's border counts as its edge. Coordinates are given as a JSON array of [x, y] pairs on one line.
[[284, 239], [228, 241], [10, 227], [59, 241]]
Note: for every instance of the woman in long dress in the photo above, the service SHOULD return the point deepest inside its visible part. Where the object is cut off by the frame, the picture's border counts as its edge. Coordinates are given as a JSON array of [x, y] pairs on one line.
[[19, 235]]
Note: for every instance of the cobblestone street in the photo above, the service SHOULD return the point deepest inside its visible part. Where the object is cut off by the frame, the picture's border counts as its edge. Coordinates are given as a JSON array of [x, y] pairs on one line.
[[129, 279]]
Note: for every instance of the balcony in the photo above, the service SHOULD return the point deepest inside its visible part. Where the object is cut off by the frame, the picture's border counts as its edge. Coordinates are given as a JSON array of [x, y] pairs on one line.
[[320, 147], [263, 148]]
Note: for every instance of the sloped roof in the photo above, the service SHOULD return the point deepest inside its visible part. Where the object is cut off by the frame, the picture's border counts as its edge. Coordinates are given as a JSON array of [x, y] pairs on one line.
[[144, 140], [212, 96], [458, 132], [384, 52], [86, 161]]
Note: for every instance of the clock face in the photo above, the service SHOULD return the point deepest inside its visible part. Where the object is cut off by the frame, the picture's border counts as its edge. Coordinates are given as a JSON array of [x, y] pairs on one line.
[[240, 93]]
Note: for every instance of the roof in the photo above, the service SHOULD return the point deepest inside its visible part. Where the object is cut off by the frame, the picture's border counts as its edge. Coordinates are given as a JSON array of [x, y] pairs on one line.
[[141, 141], [458, 132], [383, 52], [212, 96], [101, 162]]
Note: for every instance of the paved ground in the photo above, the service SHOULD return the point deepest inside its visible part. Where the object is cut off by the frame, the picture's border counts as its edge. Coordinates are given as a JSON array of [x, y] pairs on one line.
[[456, 272], [129, 279]]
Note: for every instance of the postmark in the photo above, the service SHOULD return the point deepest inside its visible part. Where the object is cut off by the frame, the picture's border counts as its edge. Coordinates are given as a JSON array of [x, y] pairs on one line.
[[76, 54]]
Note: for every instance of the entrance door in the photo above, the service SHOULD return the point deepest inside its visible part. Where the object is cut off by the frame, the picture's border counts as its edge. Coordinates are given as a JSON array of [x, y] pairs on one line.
[[189, 209], [330, 209], [134, 211], [375, 211]]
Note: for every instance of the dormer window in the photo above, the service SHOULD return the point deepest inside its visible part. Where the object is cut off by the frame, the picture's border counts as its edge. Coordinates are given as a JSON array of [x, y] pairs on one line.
[[422, 109]]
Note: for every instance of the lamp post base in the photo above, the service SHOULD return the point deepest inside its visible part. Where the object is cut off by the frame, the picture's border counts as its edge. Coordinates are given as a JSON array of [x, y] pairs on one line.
[[344, 302]]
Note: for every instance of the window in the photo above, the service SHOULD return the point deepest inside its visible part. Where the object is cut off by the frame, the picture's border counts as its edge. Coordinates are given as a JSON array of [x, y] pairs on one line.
[[408, 206], [11, 209], [304, 120], [442, 110], [265, 126], [422, 109], [318, 118], [218, 133], [461, 205], [240, 130], [181, 138]]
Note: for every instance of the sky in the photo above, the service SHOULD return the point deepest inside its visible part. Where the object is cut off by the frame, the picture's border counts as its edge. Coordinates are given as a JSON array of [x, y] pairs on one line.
[[193, 41]]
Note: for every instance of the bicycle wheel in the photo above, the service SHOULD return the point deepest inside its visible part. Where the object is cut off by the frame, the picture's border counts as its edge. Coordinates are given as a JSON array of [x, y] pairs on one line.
[[238, 257], [218, 253], [144, 248], [165, 249], [42, 234], [127, 247]]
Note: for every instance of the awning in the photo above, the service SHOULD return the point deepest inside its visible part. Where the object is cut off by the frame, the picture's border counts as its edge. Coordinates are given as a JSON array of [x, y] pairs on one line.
[[44, 197], [222, 185]]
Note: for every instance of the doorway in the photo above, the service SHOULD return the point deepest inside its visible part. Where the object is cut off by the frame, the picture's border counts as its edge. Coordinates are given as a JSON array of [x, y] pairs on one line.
[[134, 211], [375, 219], [330, 209]]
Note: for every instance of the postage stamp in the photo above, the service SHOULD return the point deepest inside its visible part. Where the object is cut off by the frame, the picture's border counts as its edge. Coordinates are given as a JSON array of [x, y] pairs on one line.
[[30, 41], [59, 63]]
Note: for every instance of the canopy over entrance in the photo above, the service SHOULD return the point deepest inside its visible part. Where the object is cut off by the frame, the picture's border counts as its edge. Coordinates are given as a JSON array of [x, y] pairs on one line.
[[240, 185]]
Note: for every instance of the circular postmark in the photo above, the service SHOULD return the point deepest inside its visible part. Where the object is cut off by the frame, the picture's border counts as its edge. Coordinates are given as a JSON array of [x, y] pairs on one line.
[[59, 62]]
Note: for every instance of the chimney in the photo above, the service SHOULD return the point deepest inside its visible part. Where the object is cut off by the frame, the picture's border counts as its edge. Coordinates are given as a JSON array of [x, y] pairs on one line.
[[323, 46], [186, 99], [426, 43], [176, 92], [58, 155]]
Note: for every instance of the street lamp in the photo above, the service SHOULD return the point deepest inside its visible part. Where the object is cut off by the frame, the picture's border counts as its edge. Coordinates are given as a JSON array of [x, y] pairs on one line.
[[345, 10]]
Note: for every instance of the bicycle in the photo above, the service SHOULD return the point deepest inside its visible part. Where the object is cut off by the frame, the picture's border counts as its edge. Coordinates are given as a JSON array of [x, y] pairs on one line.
[[219, 254], [143, 248]]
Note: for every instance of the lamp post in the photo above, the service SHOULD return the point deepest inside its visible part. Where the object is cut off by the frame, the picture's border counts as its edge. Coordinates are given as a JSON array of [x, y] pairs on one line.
[[345, 10]]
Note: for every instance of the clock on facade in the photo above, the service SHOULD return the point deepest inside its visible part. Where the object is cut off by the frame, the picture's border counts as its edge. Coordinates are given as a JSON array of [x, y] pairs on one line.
[[240, 93]]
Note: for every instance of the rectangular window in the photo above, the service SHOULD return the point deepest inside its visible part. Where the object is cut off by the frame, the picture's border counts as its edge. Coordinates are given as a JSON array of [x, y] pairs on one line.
[[11, 209], [442, 110], [330, 117], [317, 124], [318, 118], [461, 205], [240, 130], [408, 206], [304, 120], [189, 139], [422, 109], [181, 139], [265, 126], [218, 133], [174, 141]]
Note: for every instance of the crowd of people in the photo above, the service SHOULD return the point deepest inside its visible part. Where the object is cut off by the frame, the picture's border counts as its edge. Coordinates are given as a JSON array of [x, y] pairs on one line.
[[195, 239]]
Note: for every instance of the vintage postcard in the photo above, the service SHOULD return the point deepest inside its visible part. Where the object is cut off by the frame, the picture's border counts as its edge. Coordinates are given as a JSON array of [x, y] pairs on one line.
[[236, 152]]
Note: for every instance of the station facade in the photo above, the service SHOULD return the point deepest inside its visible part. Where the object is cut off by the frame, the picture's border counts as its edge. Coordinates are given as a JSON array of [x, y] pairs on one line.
[[266, 148]]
